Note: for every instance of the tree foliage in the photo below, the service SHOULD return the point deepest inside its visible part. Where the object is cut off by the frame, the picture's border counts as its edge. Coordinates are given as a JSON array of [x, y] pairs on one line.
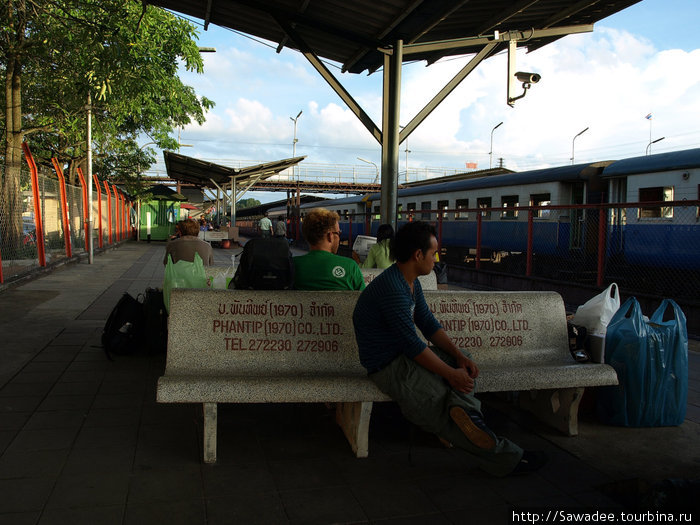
[[124, 54], [247, 203]]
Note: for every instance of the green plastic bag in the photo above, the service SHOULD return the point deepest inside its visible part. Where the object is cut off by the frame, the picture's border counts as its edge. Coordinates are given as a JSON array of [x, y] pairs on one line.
[[183, 274]]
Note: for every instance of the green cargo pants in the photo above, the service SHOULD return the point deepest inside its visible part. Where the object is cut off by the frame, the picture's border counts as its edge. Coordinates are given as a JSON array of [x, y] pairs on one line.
[[425, 399]]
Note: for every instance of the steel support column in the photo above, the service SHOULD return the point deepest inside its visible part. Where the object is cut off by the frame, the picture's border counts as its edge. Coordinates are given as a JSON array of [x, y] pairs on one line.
[[390, 134]]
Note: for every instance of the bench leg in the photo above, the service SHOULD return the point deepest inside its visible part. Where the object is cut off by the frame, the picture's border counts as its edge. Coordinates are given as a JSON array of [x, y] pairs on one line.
[[209, 432], [558, 408], [353, 418]]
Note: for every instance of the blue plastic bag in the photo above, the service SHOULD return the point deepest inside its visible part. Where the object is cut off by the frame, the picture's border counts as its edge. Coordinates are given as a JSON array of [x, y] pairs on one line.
[[651, 361]]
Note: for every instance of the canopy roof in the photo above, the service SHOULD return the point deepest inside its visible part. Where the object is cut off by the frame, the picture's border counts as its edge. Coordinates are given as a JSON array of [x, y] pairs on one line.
[[355, 33], [201, 173]]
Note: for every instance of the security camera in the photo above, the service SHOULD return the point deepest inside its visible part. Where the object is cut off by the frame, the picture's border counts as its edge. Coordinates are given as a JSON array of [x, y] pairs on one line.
[[528, 78]]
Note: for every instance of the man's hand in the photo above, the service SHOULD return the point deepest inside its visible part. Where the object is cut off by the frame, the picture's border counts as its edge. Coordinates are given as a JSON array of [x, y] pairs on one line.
[[460, 380], [467, 364]]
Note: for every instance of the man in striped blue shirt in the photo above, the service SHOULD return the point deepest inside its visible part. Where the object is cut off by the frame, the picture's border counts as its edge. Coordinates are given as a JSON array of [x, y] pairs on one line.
[[433, 385]]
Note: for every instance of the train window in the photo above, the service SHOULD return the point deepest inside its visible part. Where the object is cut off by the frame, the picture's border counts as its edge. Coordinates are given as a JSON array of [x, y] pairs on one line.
[[657, 194], [509, 203], [540, 199], [399, 209], [443, 205], [425, 205], [462, 204], [484, 202], [345, 215], [377, 214]]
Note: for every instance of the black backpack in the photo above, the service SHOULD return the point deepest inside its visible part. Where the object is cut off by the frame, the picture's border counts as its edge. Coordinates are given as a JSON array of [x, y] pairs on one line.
[[124, 327], [265, 264]]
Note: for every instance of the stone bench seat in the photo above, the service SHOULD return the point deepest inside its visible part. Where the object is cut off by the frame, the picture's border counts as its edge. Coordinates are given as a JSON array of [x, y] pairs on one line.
[[244, 346]]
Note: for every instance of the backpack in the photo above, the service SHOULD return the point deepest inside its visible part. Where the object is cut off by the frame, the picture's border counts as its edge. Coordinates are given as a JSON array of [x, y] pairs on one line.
[[265, 264], [122, 331], [155, 317]]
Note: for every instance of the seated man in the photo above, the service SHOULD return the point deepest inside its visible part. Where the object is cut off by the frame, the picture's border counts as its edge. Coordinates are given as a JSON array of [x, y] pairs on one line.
[[433, 386], [184, 248], [321, 268]]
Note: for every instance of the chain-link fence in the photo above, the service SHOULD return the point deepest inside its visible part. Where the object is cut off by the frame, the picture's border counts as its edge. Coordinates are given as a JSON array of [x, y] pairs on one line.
[[21, 246], [650, 248]]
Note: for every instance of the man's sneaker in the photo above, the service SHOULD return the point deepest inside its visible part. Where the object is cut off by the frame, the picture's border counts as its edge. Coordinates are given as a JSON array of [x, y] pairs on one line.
[[472, 425], [532, 461]]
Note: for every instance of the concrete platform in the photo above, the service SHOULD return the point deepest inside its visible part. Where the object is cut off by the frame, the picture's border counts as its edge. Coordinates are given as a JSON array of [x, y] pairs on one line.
[[83, 440]]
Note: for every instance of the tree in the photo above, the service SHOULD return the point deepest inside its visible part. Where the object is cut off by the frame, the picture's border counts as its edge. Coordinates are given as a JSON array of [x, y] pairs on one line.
[[248, 203], [124, 54]]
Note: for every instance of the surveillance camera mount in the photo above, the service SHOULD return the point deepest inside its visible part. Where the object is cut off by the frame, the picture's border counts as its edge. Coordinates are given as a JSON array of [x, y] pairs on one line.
[[527, 79]]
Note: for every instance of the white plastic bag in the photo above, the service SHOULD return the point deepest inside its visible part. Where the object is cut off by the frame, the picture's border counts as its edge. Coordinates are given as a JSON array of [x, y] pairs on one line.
[[596, 313], [223, 277]]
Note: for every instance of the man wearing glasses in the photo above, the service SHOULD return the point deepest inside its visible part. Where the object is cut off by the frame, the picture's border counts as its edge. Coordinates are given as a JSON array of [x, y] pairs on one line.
[[321, 268]]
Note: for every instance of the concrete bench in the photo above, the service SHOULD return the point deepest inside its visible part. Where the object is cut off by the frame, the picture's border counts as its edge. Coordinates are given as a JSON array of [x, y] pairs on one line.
[[262, 347]]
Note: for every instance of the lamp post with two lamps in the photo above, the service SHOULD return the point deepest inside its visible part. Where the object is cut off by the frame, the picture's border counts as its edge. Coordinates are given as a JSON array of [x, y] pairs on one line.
[[491, 149], [574, 141]]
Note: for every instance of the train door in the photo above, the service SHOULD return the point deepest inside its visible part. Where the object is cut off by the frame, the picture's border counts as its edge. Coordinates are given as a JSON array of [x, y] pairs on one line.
[[577, 216]]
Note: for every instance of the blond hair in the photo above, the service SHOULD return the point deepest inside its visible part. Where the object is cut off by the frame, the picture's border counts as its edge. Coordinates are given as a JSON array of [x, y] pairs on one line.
[[317, 223]]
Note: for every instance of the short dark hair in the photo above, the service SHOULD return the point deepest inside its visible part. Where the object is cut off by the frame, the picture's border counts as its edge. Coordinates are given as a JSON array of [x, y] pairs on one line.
[[189, 227], [412, 236]]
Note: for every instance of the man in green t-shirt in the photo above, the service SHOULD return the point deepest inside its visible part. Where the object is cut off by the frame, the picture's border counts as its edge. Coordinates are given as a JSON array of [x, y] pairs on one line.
[[321, 268]]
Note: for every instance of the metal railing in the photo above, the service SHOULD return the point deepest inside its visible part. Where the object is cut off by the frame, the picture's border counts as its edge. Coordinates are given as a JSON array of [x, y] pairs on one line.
[[43, 219]]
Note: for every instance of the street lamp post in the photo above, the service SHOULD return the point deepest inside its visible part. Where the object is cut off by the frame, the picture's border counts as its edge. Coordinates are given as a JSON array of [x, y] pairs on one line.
[[376, 168], [294, 142], [491, 149], [653, 142], [573, 142]]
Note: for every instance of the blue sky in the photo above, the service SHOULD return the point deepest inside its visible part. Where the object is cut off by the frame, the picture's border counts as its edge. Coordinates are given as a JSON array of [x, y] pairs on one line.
[[643, 60]]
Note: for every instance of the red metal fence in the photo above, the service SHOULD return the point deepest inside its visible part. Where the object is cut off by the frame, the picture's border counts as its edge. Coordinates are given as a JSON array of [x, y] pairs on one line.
[[48, 221]]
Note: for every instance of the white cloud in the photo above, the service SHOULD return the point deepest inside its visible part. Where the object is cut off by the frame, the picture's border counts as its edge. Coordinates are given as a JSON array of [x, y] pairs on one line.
[[607, 81]]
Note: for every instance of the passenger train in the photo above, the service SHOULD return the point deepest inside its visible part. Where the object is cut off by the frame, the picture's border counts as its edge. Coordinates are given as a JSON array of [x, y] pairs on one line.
[[657, 225]]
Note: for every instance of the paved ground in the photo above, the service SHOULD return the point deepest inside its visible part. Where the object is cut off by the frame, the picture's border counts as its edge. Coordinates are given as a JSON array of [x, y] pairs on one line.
[[83, 440]]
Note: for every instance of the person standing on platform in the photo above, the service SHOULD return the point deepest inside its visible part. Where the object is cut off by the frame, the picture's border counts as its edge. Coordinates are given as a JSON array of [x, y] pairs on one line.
[[266, 227], [433, 385], [321, 268], [184, 247], [281, 228]]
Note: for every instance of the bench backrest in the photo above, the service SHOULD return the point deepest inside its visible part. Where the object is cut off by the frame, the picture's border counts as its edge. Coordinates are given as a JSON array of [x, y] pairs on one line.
[[427, 282], [243, 332]]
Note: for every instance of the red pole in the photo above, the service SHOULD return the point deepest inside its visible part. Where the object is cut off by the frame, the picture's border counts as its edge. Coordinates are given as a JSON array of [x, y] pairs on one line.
[[602, 220], [64, 206], [439, 232], [528, 271], [86, 209], [117, 229], [99, 211], [478, 239], [38, 222], [109, 213]]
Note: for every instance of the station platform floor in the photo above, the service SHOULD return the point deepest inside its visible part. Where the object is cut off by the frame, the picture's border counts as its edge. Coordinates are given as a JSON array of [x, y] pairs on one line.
[[82, 439]]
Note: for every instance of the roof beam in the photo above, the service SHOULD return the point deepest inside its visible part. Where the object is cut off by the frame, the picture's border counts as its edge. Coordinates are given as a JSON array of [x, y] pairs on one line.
[[502, 37], [450, 7], [569, 11], [332, 81]]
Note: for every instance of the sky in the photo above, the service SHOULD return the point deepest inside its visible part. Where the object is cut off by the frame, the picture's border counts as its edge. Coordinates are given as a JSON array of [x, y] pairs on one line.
[[643, 60]]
